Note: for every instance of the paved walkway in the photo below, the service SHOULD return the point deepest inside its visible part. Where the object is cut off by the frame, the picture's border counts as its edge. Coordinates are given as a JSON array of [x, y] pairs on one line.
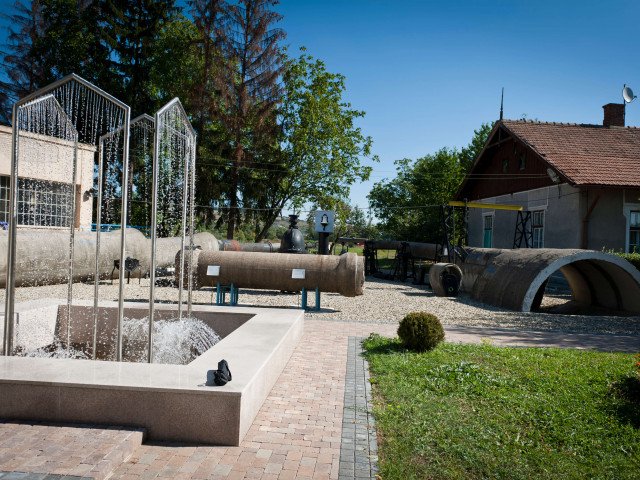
[[299, 429]]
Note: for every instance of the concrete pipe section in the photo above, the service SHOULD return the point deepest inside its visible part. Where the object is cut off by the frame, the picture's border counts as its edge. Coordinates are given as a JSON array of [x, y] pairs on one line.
[[342, 274], [515, 279], [42, 257], [445, 279]]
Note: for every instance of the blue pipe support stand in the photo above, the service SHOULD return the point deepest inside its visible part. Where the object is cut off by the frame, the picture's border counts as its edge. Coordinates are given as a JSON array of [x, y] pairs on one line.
[[221, 294], [303, 300]]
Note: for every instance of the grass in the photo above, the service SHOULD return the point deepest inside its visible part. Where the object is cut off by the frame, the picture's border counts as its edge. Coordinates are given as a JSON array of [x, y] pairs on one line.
[[386, 258], [477, 411]]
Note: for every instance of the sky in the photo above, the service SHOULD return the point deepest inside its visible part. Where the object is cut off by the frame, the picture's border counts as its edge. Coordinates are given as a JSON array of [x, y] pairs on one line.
[[428, 73]]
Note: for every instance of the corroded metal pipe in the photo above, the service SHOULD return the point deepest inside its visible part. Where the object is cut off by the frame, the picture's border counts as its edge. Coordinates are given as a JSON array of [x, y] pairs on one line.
[[40, 260], [342, 274], [235, 246]]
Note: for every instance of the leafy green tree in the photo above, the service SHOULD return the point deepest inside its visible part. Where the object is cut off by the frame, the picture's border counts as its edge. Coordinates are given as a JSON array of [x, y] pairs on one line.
[[469, 153], [408, 206], [322, 149]]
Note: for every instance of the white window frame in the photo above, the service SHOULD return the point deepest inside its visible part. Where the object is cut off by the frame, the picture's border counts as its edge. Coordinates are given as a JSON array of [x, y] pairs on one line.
[[493, 227], [628, 208], [544, 215]]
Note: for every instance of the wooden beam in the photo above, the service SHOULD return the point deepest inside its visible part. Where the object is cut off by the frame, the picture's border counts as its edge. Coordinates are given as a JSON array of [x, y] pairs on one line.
[[491, 206]]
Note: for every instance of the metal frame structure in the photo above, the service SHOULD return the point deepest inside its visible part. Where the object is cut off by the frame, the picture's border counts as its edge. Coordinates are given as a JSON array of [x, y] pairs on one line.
[[141, 119], [162, 132], [18, 107], [524, 232]]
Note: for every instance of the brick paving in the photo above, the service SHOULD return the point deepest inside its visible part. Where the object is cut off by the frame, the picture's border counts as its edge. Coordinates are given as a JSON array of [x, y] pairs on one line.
[[297, 433], [78, 450]]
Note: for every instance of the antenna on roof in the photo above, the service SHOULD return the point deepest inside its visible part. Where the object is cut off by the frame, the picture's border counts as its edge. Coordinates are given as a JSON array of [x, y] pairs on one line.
[[502, 102], [627, 94]]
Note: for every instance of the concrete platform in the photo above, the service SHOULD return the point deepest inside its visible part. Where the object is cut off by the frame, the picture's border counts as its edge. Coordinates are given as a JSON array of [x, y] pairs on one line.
[[170, 402]]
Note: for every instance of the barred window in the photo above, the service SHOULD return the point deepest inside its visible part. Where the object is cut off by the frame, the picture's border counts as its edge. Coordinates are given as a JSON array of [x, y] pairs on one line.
[[4, 200], [44, 204], [537, 226]]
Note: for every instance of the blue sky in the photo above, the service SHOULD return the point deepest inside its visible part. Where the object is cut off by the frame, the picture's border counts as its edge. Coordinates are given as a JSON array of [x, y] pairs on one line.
[[428, 73]]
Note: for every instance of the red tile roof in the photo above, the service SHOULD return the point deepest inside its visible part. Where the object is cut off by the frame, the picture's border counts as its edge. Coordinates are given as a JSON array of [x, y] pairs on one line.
[[585, 154]]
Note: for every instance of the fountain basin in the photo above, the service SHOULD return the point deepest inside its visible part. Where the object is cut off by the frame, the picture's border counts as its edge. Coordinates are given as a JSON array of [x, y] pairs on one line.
[[170, 401]]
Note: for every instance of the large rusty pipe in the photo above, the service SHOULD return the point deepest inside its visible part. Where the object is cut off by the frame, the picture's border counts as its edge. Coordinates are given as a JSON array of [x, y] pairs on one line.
[[166, 248], [235, 246], [42, 256], [417, 249], [342, 274]]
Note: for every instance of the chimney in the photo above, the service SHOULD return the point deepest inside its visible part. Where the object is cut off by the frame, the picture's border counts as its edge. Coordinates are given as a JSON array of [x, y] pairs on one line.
[[613, 115]]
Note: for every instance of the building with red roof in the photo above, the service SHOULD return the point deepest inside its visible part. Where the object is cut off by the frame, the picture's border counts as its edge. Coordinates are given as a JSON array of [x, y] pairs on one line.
[[579, 185]]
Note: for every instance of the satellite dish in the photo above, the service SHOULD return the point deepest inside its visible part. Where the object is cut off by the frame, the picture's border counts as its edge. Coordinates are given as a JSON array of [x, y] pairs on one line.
[[555, 178], [627, 94]]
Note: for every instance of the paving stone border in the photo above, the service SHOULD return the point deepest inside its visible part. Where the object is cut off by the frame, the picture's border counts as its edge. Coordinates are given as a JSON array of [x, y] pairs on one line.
[[358, 448], [38, 476]]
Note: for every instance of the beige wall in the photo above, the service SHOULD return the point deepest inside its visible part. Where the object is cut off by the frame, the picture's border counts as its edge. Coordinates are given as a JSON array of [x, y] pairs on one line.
[[47, 158]]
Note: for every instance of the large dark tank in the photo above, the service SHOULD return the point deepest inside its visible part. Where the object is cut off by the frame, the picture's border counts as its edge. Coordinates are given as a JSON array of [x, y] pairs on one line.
[[293, 240]]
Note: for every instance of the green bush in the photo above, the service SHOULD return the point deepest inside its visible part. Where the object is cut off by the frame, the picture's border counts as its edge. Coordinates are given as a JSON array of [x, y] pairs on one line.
[[632, 258], [420, 331]]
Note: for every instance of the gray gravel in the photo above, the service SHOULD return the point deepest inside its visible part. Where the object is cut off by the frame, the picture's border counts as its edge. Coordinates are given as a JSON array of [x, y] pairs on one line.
[[382, 302]]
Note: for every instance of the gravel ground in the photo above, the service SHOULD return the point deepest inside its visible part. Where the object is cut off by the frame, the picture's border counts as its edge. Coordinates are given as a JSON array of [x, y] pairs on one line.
[[382, 302]]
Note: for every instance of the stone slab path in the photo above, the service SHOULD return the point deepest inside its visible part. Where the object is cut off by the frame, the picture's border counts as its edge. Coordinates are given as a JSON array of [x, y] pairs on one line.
[[299, 430]]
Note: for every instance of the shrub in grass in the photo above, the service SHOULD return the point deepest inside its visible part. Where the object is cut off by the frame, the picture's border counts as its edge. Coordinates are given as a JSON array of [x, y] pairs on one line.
[[420, 331]]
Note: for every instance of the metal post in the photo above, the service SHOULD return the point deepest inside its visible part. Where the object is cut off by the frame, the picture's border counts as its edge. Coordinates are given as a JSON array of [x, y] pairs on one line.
[[192, 192], [154, 235], [123, 228], [98, 228], [317, 298], [72, 239], [185, 199], [11, 243], [303, 299]]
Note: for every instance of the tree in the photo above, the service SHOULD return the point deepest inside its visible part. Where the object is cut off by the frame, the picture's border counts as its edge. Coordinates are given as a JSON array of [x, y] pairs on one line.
[[321, 150], [49, 39], [132, 31], [249, 88], [408, 206], [469, 153]]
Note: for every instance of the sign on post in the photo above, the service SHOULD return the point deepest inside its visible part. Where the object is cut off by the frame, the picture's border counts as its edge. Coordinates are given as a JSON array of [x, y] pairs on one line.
[[324, 221]]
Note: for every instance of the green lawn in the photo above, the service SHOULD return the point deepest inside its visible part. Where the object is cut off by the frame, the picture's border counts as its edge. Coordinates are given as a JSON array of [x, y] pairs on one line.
[[478, 411], [386, 258]]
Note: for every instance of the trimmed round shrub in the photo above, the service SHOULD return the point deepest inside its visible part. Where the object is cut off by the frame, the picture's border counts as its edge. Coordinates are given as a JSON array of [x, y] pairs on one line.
[[420, 331]]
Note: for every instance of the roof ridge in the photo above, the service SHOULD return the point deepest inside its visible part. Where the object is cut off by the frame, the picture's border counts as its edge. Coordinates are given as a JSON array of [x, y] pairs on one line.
[[525, 121]]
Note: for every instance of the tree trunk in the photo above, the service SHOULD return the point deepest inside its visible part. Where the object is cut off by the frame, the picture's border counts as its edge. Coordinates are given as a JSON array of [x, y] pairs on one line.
[[233, 193]]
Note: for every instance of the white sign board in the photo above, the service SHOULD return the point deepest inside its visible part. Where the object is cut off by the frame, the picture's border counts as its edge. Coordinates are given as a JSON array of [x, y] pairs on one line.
[[298, 273], [325, 220], [213, 270]]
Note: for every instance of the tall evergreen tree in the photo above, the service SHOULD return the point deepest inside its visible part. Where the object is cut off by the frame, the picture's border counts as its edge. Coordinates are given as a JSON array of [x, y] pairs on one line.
[[132, 30], [249, 88], [22, 66], [49, 39]]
